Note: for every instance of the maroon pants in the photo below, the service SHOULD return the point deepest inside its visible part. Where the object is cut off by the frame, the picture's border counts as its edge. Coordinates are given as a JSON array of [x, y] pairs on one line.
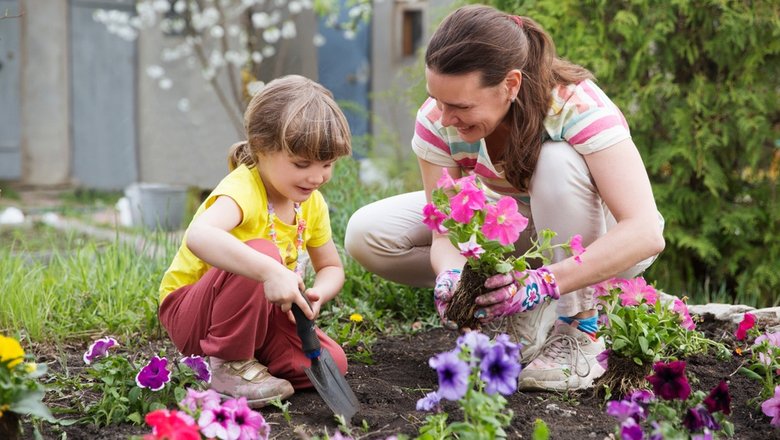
[[227, 316]]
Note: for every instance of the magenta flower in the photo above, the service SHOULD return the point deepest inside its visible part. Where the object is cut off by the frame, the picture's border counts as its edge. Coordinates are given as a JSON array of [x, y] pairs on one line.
[[471, 249], [576, 247], [699, 418], [773, 339], [719, 399], [625, 409], [603, 358], [630, 430], [499, 372], [635, 290], [430, 402], [445, 181], [433, 218], [453, 374], [503, 222], [748, 321], [251, 424], [218, 422], [199, 400], [154, 375], [99, 348], [199, 366], [669, 381], [468, 200], [771, 408], [679, 307]]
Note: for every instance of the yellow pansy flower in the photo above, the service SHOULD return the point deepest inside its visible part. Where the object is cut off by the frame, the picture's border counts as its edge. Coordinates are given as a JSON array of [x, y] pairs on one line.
[[10, 350], [356, 317]]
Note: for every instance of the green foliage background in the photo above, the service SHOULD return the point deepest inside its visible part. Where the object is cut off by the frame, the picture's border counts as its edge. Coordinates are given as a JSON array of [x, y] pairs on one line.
[[698, 82]]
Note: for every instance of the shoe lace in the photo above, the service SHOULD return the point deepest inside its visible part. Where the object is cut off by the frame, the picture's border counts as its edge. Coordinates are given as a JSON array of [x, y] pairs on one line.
[[561, 349]]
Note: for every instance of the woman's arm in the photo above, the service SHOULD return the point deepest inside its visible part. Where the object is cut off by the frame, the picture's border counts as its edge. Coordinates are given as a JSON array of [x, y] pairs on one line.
[[443, 254], [329, 276], [623, 184], [208, 238]]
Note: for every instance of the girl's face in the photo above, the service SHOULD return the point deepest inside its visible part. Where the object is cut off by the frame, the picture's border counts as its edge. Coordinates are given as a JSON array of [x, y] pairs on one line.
[[474, 110], [292, 177]]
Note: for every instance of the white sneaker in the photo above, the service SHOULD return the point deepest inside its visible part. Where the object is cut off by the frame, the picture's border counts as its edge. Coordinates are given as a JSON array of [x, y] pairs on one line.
[[567, 361], [528, 328]]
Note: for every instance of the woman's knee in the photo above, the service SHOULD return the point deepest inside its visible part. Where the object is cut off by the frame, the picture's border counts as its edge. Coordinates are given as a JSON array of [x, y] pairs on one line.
[[559, 170]]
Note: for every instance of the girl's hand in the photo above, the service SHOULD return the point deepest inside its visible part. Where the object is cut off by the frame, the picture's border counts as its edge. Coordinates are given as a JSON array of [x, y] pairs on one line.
[[283, 287], [315, 301]]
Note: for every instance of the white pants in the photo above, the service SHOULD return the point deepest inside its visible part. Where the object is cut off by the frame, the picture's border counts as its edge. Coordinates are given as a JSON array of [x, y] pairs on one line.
[[388, 237]]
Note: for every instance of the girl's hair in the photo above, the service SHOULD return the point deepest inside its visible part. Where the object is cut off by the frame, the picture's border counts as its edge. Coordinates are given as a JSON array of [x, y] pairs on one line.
[[295, 115], [482, 39]]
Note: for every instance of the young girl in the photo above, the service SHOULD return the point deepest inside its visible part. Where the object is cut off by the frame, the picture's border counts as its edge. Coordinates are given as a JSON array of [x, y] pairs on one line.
[[228, 292]]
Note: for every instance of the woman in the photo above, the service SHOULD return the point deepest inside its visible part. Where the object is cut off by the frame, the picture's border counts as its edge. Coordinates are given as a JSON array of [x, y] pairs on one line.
[[536, 127]]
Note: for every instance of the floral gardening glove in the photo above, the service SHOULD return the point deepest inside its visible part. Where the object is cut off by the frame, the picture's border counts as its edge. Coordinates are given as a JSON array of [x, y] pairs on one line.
[[446, 283], [515, 292]]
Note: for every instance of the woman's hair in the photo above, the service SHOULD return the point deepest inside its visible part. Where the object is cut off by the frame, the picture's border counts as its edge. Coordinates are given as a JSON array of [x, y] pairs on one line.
[[296, 115], [482, 39]]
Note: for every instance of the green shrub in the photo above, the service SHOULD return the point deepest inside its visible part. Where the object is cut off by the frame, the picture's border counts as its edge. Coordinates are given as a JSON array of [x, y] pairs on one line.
[[698, 82]]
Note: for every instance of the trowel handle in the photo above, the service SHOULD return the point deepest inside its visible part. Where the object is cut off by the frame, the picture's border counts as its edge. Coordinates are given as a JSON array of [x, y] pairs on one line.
[[305, 326]]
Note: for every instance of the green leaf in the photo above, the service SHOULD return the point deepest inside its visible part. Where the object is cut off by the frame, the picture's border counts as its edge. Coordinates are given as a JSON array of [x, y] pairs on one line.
[[541, 430]]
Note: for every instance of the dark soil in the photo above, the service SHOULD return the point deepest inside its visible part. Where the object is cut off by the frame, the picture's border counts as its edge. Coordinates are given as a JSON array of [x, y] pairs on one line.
[[388, 391], [462, 307]]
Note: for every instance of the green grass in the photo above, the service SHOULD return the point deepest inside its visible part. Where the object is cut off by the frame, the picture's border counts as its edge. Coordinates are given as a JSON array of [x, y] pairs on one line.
[[69, 287]]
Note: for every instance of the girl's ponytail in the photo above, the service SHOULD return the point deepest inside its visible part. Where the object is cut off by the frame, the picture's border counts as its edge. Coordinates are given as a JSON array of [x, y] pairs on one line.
[[239, 154]]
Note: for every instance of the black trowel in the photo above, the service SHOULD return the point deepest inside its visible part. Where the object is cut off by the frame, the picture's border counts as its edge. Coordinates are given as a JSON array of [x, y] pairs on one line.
[[324, 373]]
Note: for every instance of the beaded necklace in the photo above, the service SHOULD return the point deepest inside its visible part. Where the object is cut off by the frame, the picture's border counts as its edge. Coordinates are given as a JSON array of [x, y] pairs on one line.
[[302, 260]]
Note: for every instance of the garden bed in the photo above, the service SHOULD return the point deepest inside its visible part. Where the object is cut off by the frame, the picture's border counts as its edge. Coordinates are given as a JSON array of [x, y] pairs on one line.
[[389, 389]]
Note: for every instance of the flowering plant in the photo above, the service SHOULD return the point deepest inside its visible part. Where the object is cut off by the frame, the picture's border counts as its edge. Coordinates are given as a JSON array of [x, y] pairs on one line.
[[127, 391], [671, 410], [477, 373], [20, 390], [202, 414], [763, 364], [484, 231]]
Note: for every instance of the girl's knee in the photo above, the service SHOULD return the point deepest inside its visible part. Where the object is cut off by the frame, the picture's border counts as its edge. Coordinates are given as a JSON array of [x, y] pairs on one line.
[[265, 247]]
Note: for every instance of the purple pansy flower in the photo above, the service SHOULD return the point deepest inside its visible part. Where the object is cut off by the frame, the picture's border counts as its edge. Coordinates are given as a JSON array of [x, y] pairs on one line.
[[512, 349], [430, 402], [499, 372], [154, 375], [625, 409], [477, 343], [199, 366], [453, 374], [98, 349], [669, 381]]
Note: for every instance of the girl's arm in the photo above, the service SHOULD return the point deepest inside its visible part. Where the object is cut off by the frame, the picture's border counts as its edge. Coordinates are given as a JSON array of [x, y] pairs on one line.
[[329, 276], [622, 181], [443, 254], [208, 238]]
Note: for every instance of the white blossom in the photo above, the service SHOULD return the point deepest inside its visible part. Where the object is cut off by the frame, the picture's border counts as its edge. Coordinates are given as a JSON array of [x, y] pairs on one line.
[[271, 35], [257, 57], [349, 34], [234, 30], [180, 6], [318, 40], [261, 20], [255, 87], [165, 83], [295, 7], [154, 71], [288, 30], [269, 51], [217, 32]]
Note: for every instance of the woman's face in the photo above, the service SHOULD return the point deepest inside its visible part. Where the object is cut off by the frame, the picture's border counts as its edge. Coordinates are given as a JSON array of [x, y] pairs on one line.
[[474, 110]]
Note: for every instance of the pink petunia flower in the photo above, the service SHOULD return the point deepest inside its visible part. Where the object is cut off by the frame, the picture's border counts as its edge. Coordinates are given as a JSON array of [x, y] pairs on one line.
[[251, 424], [771, 408], [471, 249], [504, 222], [679, 307], [445, 181], [433, 218], [748, 321], [773, 339], [469, 199], [200, 400], [218, 422], [576, 247], [635, 290]]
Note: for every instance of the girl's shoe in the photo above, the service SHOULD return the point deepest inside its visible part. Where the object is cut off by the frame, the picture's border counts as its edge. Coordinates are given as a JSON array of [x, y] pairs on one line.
[[249, 379]]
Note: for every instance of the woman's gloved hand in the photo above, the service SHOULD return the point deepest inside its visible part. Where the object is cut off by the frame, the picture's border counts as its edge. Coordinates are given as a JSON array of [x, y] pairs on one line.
[[446, 283], [515, 292]]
